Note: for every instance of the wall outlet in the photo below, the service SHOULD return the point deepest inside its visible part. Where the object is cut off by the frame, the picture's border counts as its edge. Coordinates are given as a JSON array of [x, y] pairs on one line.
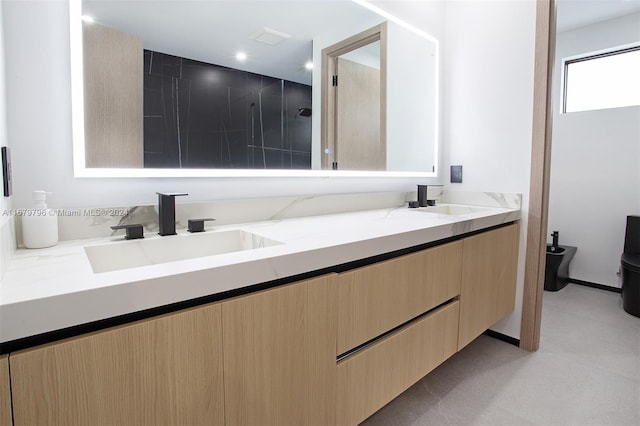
[[456, 174]]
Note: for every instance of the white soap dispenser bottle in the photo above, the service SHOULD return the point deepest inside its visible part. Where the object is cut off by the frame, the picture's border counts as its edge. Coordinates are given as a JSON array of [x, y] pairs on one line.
[[40, 224]]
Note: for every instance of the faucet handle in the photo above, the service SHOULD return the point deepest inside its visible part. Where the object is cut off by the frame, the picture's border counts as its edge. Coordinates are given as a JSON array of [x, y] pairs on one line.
[[132, 232], [197, 225]]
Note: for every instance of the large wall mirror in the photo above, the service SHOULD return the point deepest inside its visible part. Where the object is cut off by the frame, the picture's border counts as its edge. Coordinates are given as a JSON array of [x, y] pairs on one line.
[[160, 89]]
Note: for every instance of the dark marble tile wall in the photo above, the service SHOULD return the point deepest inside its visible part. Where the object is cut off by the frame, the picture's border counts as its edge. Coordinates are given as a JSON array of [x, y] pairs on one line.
[[198, 115]]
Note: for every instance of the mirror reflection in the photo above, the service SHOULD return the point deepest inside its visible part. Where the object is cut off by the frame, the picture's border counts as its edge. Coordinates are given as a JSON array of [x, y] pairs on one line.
[[357, 110], [198, 115], [237, 85]]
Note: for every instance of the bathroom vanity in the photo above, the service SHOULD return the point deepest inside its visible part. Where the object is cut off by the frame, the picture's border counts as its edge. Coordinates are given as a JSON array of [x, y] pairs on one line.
[[325, 328]]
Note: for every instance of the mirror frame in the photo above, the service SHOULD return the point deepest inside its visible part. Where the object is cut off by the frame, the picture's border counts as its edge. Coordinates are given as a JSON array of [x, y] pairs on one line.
[[77, 122]]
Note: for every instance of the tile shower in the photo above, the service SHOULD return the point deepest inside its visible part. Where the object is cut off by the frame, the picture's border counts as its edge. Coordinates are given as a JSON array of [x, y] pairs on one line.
[[199, 115]]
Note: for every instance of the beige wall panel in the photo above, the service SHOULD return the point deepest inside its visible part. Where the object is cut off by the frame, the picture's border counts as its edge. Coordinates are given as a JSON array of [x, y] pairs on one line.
[[113, 97], [359, 145]]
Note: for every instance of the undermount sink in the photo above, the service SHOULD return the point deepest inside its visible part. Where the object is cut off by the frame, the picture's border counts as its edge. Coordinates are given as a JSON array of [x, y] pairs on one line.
[[455, 210], [155, 250]]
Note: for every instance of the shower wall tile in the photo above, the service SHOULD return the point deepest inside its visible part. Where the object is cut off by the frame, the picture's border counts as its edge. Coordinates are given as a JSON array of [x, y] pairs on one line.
[[298, 131], [300, 161], [199, 115]]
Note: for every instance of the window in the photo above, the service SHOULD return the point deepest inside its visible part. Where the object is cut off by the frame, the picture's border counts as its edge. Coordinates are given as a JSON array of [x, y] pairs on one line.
[[602, 80]]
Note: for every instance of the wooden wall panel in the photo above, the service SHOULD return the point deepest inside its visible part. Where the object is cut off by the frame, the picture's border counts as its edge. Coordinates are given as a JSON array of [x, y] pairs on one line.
[[113, 97]]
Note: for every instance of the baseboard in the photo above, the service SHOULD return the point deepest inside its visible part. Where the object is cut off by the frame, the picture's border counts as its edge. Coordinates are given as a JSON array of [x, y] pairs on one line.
[[594, 285], [503, 337]]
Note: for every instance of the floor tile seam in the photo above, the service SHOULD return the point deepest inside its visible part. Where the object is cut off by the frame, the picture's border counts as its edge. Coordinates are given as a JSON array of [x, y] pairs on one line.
[[554, 341], [587, 315], [515, 414], [537, 419], [573, 359]]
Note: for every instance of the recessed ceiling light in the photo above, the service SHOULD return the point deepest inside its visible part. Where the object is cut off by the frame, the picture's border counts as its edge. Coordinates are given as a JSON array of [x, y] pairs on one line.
[[308, 65], [87, 18], [241, 56]]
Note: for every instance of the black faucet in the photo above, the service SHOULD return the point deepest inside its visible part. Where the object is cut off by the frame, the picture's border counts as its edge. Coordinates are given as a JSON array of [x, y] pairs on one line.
[[423, 196], [167, 212]]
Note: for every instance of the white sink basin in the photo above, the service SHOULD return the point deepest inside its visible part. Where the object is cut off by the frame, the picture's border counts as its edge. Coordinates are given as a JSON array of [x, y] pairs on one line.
[[455, 210], [155, 250]]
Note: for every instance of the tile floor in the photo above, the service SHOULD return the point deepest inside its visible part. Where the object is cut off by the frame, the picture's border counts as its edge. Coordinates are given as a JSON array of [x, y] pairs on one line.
[[586, 372]]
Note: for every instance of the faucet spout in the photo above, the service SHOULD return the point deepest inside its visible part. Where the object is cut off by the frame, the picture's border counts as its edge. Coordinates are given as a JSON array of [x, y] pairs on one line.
[[167, 212]]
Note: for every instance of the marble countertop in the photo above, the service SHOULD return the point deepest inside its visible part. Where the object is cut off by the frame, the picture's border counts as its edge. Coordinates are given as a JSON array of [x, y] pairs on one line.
[[49, 289]]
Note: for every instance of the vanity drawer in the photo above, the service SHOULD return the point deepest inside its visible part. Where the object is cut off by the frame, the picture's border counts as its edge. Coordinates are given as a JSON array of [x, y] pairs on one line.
[[375, 299], [373, 376]]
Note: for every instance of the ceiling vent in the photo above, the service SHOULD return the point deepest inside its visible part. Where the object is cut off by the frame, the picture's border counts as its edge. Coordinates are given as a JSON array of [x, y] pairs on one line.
[[269, 36]]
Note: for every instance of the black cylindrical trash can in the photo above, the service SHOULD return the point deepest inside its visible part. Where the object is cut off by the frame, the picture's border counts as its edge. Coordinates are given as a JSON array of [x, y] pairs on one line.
[[630, 267]]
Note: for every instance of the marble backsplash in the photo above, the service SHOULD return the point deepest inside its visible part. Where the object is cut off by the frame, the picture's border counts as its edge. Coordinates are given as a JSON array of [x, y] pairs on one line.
[[7, 242], [96, 222], [486, 199], [76, 224]]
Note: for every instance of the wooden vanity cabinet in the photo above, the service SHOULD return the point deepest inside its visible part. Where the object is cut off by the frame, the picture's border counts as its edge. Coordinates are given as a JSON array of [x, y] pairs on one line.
[[5, 392], [374, 376], [489, 269], [166, 370], [271, 357], [470, 283], [396, 308], [279, 355], [377, 298]]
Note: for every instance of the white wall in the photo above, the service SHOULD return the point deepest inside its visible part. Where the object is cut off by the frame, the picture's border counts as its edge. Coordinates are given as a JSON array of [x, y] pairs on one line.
[[595, 163], [7, 242], [489, 58], [39, 122], [487, 50], [411, 100], [405, 100], [5, 203]]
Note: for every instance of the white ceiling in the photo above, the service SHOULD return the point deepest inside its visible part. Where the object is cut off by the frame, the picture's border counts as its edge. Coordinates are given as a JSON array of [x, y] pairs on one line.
[[213, 31], [578, 13]]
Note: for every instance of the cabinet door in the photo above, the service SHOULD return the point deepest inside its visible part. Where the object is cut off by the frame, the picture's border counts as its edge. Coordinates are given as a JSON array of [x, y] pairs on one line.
[[490, 263], [166, 370], [279, 355], [5, 392], [370, 378], [377, 298]]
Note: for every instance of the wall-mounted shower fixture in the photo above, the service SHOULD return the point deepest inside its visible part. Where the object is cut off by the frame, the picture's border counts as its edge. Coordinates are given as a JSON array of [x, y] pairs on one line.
[[304, 112]]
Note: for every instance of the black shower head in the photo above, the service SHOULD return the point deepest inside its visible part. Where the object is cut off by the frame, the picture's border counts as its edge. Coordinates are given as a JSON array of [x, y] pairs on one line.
[[305, 112]]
